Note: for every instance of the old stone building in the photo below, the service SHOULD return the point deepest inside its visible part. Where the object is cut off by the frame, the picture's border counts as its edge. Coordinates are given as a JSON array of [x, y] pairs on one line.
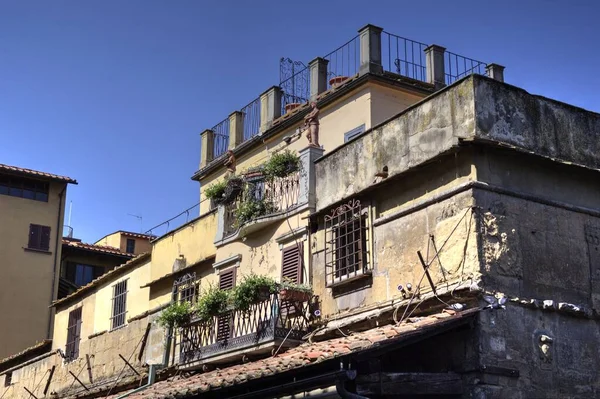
[[444, 222]]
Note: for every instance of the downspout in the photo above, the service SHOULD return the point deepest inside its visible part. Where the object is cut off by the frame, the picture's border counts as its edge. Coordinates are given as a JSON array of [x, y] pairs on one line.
[[151, 380], [58, 240]]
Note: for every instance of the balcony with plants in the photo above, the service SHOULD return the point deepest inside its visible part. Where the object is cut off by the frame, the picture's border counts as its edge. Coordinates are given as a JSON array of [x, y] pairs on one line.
[[257, 317], [260, 195]]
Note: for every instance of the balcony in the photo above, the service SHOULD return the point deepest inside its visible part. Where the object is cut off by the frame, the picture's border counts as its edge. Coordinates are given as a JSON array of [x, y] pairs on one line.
[[268, 325]]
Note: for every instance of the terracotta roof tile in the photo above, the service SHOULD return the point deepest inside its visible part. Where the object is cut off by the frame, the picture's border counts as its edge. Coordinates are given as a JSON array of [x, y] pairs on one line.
[[36, 173], [304, 355], [96, 248], [40, 346]]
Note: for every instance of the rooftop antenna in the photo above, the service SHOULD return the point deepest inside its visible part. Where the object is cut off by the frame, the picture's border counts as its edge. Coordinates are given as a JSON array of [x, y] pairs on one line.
[[139, 218], [70, 228]]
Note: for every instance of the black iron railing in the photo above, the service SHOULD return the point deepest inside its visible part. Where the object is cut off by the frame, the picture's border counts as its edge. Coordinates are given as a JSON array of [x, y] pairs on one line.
[[344, 62], [271, 319], [458, 66], [403, 56], [251, 118], [174, 222], [294, 81], [221, 137]]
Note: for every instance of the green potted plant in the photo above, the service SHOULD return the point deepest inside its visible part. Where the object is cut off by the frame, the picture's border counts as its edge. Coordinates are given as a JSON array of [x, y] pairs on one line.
[[282, 164], [253, 289], [175, 315], [216, 191], [294, 292], [251, 209], [212, 303]]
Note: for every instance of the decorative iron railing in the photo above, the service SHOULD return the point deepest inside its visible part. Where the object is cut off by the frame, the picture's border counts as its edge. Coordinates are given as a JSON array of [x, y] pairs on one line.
[[403, 56], [294, 81], [268, 320], [251, 118], [344, 62], [221, 137], [458, 66]]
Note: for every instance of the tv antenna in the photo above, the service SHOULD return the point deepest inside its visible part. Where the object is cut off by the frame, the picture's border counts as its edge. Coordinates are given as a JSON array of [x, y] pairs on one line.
[[138, 217]]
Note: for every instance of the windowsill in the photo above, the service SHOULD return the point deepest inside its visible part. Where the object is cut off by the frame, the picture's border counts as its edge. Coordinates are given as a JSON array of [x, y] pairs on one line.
[[40, 251], [117, 328], [345, 279]]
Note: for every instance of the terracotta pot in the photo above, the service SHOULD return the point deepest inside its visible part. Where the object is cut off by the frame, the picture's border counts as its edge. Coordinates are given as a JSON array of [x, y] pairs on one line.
[[337, 80], [291, 106], [294, 295]]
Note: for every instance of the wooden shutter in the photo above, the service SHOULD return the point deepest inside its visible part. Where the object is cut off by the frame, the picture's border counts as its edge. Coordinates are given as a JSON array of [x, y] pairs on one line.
[[45, 238], [227, 279], [34, 236], [291, 263], [225, 322]]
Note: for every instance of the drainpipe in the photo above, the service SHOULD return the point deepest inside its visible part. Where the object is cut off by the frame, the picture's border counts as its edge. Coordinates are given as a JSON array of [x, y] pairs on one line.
[[58, 241], [341, 388], [151, 380]]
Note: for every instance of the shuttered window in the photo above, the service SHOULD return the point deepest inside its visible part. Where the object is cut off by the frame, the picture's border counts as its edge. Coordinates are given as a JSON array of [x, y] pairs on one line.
[[119, 305], [39, 237], [73, 334], [291, 263], [225, 322]]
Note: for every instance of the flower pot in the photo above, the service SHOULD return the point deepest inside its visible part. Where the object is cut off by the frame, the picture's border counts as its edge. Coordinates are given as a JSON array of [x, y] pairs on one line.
[[337, 80], [263, 294], [294, 295], [291, 106]]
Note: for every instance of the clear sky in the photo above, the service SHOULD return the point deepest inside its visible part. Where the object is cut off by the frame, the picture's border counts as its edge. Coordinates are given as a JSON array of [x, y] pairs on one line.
[[115, 93]]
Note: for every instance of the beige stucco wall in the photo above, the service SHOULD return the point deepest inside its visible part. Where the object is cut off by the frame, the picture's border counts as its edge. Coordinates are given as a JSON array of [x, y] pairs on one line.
[[387, 102], [111, 240], [26, 271], [141, 244]]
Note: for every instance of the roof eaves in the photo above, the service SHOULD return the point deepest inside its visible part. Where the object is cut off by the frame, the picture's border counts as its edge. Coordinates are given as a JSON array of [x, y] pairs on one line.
[[35, 173]]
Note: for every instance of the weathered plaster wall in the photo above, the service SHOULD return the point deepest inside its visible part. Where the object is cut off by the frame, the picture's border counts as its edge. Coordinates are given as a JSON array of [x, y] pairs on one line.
[[547, 127], [103, 360], [417, 135]]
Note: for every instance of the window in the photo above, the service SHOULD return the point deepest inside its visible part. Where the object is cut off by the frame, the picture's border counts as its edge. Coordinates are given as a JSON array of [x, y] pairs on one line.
[[81, 274], [225, 322], [353, 133], [291, 263], [24, 188], [119, 305], [187, 288], [73, 334], [346, 237], [7, 379], [130, 246], [39, 237]]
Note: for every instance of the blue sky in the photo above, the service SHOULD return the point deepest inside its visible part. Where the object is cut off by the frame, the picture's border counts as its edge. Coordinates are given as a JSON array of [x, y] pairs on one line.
[[115, 93]]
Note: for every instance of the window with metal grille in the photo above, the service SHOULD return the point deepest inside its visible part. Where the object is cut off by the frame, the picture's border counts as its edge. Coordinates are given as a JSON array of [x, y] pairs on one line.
[[24, 188], [130, 248], [73, 334], [291, 263], [119, 305], [225, 322], [39, 237], [186, 288], [346, 239]]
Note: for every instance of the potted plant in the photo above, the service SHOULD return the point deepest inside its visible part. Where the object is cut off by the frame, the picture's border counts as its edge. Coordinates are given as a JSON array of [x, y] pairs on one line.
[[253, 289], [337, 81], [233, 188], [294, 292], [282, 164], [175, 315], [251, 209], [212, 303], [216, 191]]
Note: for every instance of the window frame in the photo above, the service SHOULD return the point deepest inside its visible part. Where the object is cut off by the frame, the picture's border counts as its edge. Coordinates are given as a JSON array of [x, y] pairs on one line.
[[118, 317], [23, 187], [347, 243], [39, 237], [74, 333], [127, 242]]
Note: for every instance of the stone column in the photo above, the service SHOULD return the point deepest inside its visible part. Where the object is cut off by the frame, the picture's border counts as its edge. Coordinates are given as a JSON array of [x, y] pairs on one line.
[[208, 147], [495, 72], [220, 223], [436, 73], [236, 129], [318, 77], [308, 179], [270, 107], [370, 49]]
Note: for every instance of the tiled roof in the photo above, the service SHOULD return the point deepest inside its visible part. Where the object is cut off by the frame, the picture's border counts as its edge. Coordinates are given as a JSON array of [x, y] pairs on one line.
[[40, 347], [106, 276], [96, 248], [35, 173], [137, 235], [302, 356]]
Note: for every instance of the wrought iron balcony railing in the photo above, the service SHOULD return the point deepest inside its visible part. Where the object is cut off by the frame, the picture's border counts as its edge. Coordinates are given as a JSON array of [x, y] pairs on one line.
[[270, 321]]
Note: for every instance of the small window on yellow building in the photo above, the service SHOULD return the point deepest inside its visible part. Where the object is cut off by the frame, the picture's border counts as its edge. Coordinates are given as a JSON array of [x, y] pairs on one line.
[[119, 304]]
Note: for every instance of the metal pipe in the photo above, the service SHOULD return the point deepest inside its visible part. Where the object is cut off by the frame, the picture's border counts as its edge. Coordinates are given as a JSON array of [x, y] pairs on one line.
[[345, 394], [151, 380], [55, 269]]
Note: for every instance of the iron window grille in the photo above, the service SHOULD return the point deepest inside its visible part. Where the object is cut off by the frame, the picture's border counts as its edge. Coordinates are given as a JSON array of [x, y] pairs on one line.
[[186, 288], [130, 246], [73, 334], [119, 304], [347, 243], [39, 237]]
